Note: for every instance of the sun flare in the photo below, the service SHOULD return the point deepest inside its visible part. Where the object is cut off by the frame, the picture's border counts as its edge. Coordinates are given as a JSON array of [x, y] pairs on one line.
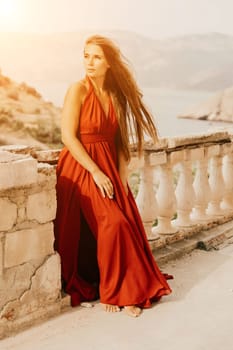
[[6, 8], [8, 14]]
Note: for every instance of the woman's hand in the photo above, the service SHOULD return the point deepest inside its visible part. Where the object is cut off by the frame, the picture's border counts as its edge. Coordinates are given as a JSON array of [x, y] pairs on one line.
[[104, 183]]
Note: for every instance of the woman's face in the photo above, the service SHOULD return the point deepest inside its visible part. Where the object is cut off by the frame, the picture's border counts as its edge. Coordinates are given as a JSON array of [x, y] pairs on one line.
[[95, 62]]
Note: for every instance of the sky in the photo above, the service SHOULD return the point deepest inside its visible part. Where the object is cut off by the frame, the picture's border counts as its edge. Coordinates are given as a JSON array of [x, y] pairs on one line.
[[153, 18]]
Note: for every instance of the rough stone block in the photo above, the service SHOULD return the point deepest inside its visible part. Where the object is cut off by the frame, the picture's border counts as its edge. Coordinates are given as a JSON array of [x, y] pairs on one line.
[[18, 149], [47, 173], [26, 245], [47, 156], [8, 214], [46, 169], [21, 215], [16, 170], [43, 290], [42, 206], [15, 281], [46, 282]]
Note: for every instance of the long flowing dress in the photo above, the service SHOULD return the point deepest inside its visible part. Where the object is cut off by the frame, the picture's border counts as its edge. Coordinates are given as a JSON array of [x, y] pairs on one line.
[[102, 242]]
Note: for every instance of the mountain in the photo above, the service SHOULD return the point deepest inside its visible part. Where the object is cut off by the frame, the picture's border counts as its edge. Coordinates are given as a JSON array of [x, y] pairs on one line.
[[25, 117], [54, 60], [51, 62]]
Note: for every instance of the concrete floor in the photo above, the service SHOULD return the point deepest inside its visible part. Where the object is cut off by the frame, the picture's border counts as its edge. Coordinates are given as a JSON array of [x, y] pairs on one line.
[[197, 316]]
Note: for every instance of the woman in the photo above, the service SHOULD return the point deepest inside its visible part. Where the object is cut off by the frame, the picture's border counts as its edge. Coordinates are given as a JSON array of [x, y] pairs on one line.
[[98, 231]]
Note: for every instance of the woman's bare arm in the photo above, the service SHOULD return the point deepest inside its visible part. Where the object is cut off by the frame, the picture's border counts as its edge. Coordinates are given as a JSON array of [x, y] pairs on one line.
[[69, 127], [70, 123]]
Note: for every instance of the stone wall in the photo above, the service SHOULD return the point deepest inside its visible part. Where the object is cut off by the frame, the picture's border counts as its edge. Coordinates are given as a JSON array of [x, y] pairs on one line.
[[30, 285]]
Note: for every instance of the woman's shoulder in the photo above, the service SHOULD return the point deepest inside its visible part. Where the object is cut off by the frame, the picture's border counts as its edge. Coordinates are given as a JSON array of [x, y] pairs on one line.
[[78, 89]]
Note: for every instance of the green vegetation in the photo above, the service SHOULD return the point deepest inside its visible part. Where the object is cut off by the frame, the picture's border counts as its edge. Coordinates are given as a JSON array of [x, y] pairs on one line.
[[48, 134]]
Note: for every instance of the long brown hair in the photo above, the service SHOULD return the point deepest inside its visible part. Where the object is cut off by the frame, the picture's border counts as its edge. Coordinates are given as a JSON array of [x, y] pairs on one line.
[[133, 117]]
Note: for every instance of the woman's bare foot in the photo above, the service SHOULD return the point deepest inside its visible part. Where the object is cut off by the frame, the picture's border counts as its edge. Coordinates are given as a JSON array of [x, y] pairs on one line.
[[133, 310], [110, 308]]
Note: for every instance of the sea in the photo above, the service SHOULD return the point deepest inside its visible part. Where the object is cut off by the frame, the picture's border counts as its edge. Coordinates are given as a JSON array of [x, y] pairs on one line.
[[164, 104], [167, 104]]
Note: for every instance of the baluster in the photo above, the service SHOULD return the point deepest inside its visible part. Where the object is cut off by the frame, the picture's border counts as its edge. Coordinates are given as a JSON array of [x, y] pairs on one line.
[[227, 202], [166, 200], [146, 199], [216, 184], [184, 192], [201, 187]]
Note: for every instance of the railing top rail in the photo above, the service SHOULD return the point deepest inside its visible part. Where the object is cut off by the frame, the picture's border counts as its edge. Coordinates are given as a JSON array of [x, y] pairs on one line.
[[167, 144], [190, 141]]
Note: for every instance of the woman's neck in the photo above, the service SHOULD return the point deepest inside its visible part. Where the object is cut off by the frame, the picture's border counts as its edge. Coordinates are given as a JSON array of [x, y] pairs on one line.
[[98, 84]]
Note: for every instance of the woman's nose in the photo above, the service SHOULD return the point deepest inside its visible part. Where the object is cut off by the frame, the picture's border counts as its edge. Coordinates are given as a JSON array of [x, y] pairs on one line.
[[90, 61]]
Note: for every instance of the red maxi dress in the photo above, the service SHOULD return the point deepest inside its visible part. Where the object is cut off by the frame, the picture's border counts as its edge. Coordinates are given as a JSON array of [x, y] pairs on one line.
[[102, 243]]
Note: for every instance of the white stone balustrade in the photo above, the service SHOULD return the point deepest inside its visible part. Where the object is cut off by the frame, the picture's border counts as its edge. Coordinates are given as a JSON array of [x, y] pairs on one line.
[[202, 166]]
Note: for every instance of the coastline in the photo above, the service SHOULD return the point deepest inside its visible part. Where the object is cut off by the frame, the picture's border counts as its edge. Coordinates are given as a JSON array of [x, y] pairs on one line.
[[165, 105]]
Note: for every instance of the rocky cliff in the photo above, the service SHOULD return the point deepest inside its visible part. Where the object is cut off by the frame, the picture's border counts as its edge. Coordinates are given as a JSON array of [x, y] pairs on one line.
[[25, 117], [219, 107]]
